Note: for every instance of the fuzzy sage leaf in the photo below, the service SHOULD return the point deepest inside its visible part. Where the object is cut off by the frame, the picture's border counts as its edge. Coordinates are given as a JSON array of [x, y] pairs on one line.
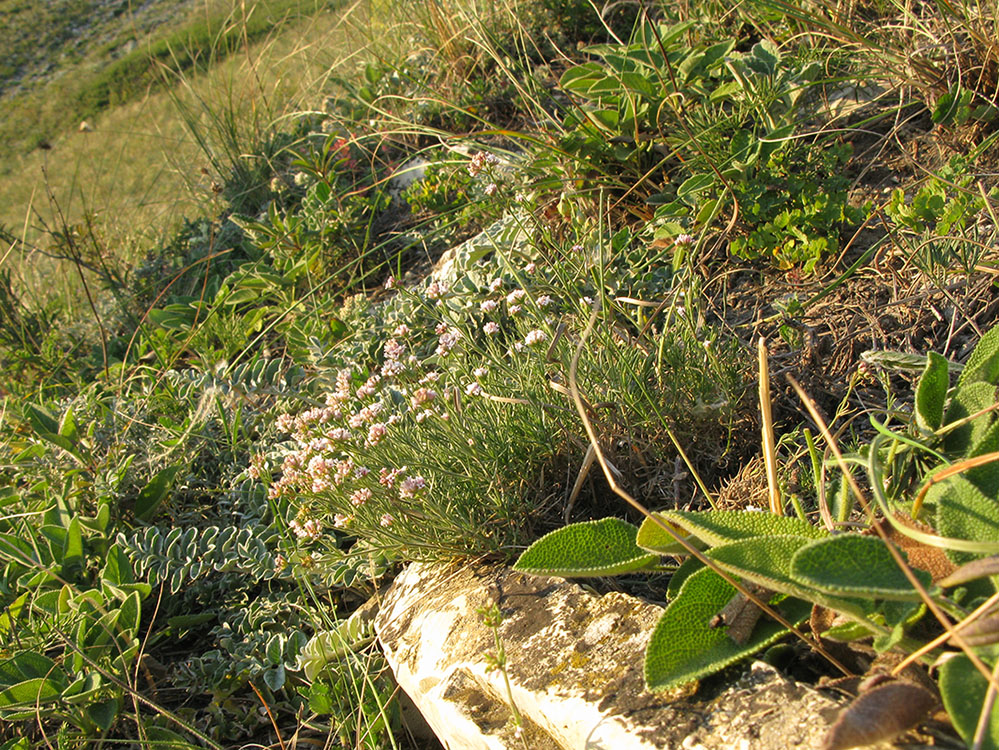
[[931, 393], [684, 647], [592, 548], [854, 566]]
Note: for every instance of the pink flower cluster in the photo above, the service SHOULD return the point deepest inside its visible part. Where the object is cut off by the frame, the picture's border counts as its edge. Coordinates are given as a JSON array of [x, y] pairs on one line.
[[311, 529], [480, 161]]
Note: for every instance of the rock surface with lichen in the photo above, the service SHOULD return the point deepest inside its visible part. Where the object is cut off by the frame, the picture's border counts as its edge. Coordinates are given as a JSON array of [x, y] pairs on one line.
[[574, 663]]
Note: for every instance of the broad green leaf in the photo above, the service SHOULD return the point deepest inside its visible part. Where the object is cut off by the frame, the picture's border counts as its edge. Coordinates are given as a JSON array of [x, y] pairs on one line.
[[24, 666], [31, 692], [983, 364], [155, 492], [963, 689], [128, 614], [854, 566], [592, 548], [13, 548], [606, 119], [41, 419], [104, 713], [695, 184], [931, 393], [964, 512], [117, 570], [716, 527], [967, 400], [653, 538], [764, 560], [275, 677], [986, 476], [11, 614], [684, 647], [84, 688], [763, 58], [687, 568], [579, 79], [72, 551], [67, 426]]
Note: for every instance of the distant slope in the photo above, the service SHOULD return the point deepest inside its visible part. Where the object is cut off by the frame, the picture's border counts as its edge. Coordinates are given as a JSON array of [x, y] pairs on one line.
[[42, 39], [72, 59]]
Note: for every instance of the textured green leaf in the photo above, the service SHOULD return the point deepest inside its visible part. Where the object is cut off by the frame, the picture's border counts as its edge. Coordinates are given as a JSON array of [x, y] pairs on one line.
[[592, 548], [716, 527], [684, 647], [117, 570], [986, 476], [695, 184], [31, 692], [653, 538], [67, 426], [983, 364], [967, 400], [72, 551], [275, 677], [23, 666], [963, 689], [687, 568], [103, 714], [764, 560], [855, 566], [931, 393], [155, 492], [41, 419], [964, 512]]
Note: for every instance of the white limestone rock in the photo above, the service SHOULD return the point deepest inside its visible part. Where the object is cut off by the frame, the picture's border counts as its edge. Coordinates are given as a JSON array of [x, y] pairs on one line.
[[575, 669]]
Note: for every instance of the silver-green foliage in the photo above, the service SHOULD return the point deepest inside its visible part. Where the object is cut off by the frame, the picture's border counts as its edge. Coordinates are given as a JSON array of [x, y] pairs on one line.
[[177, 556]]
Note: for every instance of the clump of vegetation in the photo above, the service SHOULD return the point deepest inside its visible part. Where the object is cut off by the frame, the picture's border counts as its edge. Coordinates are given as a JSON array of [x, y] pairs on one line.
[[489, 287]]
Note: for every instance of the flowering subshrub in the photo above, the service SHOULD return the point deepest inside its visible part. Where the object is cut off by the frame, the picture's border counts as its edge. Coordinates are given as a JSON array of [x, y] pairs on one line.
[[447, 403]]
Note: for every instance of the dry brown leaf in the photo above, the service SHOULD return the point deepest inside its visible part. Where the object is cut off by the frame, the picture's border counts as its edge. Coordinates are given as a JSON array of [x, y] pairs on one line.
[[880, 714]]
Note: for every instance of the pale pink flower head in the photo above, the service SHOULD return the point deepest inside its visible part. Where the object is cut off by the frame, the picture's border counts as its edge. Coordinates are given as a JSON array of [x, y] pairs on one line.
[[491, 327], [387, 476], [489, 305], [491, 189], [386, 520], [473, 389], [436, 290], [390, 282], [544, 300], [286, 423], [375, 433], [537, 336], [411, 485], [515, 296], [683, 239], [401, 330], [360, 497], [423, 396], [394, 349]]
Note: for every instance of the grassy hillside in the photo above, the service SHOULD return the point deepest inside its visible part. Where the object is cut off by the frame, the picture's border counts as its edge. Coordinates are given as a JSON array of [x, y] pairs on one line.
[[223, 435], [144, 165]]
